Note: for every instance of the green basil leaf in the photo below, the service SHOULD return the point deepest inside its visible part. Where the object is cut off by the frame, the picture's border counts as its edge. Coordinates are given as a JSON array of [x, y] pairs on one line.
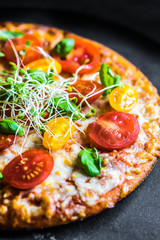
[[38, 76], [64, 47], [10, 127], [2, 54], [62, 104], [107, 78], [69, 107], [6, 35], [28, 44], [117, 78], [1, 176], [90, 161]]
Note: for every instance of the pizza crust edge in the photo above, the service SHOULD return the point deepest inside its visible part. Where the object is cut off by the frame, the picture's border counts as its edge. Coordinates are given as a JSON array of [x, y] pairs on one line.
[[115, 194]]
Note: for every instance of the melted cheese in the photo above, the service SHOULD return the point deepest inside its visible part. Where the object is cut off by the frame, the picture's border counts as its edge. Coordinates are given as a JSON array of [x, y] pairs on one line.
[[91, 189], [67, 180]]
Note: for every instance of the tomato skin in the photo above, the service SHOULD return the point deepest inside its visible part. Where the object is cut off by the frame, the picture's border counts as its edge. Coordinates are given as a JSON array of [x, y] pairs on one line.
[[114, 130], [85, 87], [6, 141], [28, 169], [58, 132], [43, 65], [83, 49], [31, 54], [123, 99]]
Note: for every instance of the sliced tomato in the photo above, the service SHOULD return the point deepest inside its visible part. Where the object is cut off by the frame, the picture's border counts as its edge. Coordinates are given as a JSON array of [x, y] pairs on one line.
[[28, 169], [44, 64], [83, 50], [58, 132], [31, 52], [86, 88], [114, 130], [6, 141], [123, 99]]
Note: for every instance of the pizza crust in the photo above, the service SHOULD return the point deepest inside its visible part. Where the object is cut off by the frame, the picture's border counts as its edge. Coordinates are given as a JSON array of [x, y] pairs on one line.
[[63, 197]]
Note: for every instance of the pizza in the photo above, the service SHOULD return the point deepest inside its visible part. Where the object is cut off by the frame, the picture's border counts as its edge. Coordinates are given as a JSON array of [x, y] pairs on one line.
[[79, 127]]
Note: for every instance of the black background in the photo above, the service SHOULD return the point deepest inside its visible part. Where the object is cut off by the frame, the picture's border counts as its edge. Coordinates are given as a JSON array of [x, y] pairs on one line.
[[132, 28], [142, 15]]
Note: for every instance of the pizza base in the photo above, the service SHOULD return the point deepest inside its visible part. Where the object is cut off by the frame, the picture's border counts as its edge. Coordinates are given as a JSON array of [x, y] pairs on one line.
[[12, 213]]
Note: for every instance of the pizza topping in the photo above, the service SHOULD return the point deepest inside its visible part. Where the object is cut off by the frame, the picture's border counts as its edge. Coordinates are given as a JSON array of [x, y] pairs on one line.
[[58, 132], [90, 161], [35, 76], [123, 99], [2, 54], [86, 90], [107, 79], [6, 141], [64, 47], [114, 130], [10, 127], [34, 98], [1, 176], [6, 35], [84, 52], [32, 94], [45, 65], [27, 53], [28, 169]]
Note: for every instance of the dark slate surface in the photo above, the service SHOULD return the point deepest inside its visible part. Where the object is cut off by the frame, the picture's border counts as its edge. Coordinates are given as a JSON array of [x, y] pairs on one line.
[[138, 215], [141, 15]]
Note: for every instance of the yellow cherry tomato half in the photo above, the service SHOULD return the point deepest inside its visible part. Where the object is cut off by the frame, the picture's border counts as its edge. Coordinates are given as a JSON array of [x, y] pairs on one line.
[[58, 132], [44, 64], [123, 99]]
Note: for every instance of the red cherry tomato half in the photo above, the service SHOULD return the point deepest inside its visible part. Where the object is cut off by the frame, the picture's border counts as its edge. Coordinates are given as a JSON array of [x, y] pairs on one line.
[[28, 169], [83, 50], [6, 141], [114, 130], [85, 87], [31, 52]]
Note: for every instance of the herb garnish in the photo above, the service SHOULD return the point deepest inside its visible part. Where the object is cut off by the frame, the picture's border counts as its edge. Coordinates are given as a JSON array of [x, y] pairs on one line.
[[1, 176], [10, 127], [64, 47], [6, 35], [90, 161], [29, 94], [107, 78], [28, 43], [2, 54]]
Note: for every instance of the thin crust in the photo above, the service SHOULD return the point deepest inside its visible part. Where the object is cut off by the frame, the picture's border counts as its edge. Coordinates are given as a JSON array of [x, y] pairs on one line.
[[132, 164]]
